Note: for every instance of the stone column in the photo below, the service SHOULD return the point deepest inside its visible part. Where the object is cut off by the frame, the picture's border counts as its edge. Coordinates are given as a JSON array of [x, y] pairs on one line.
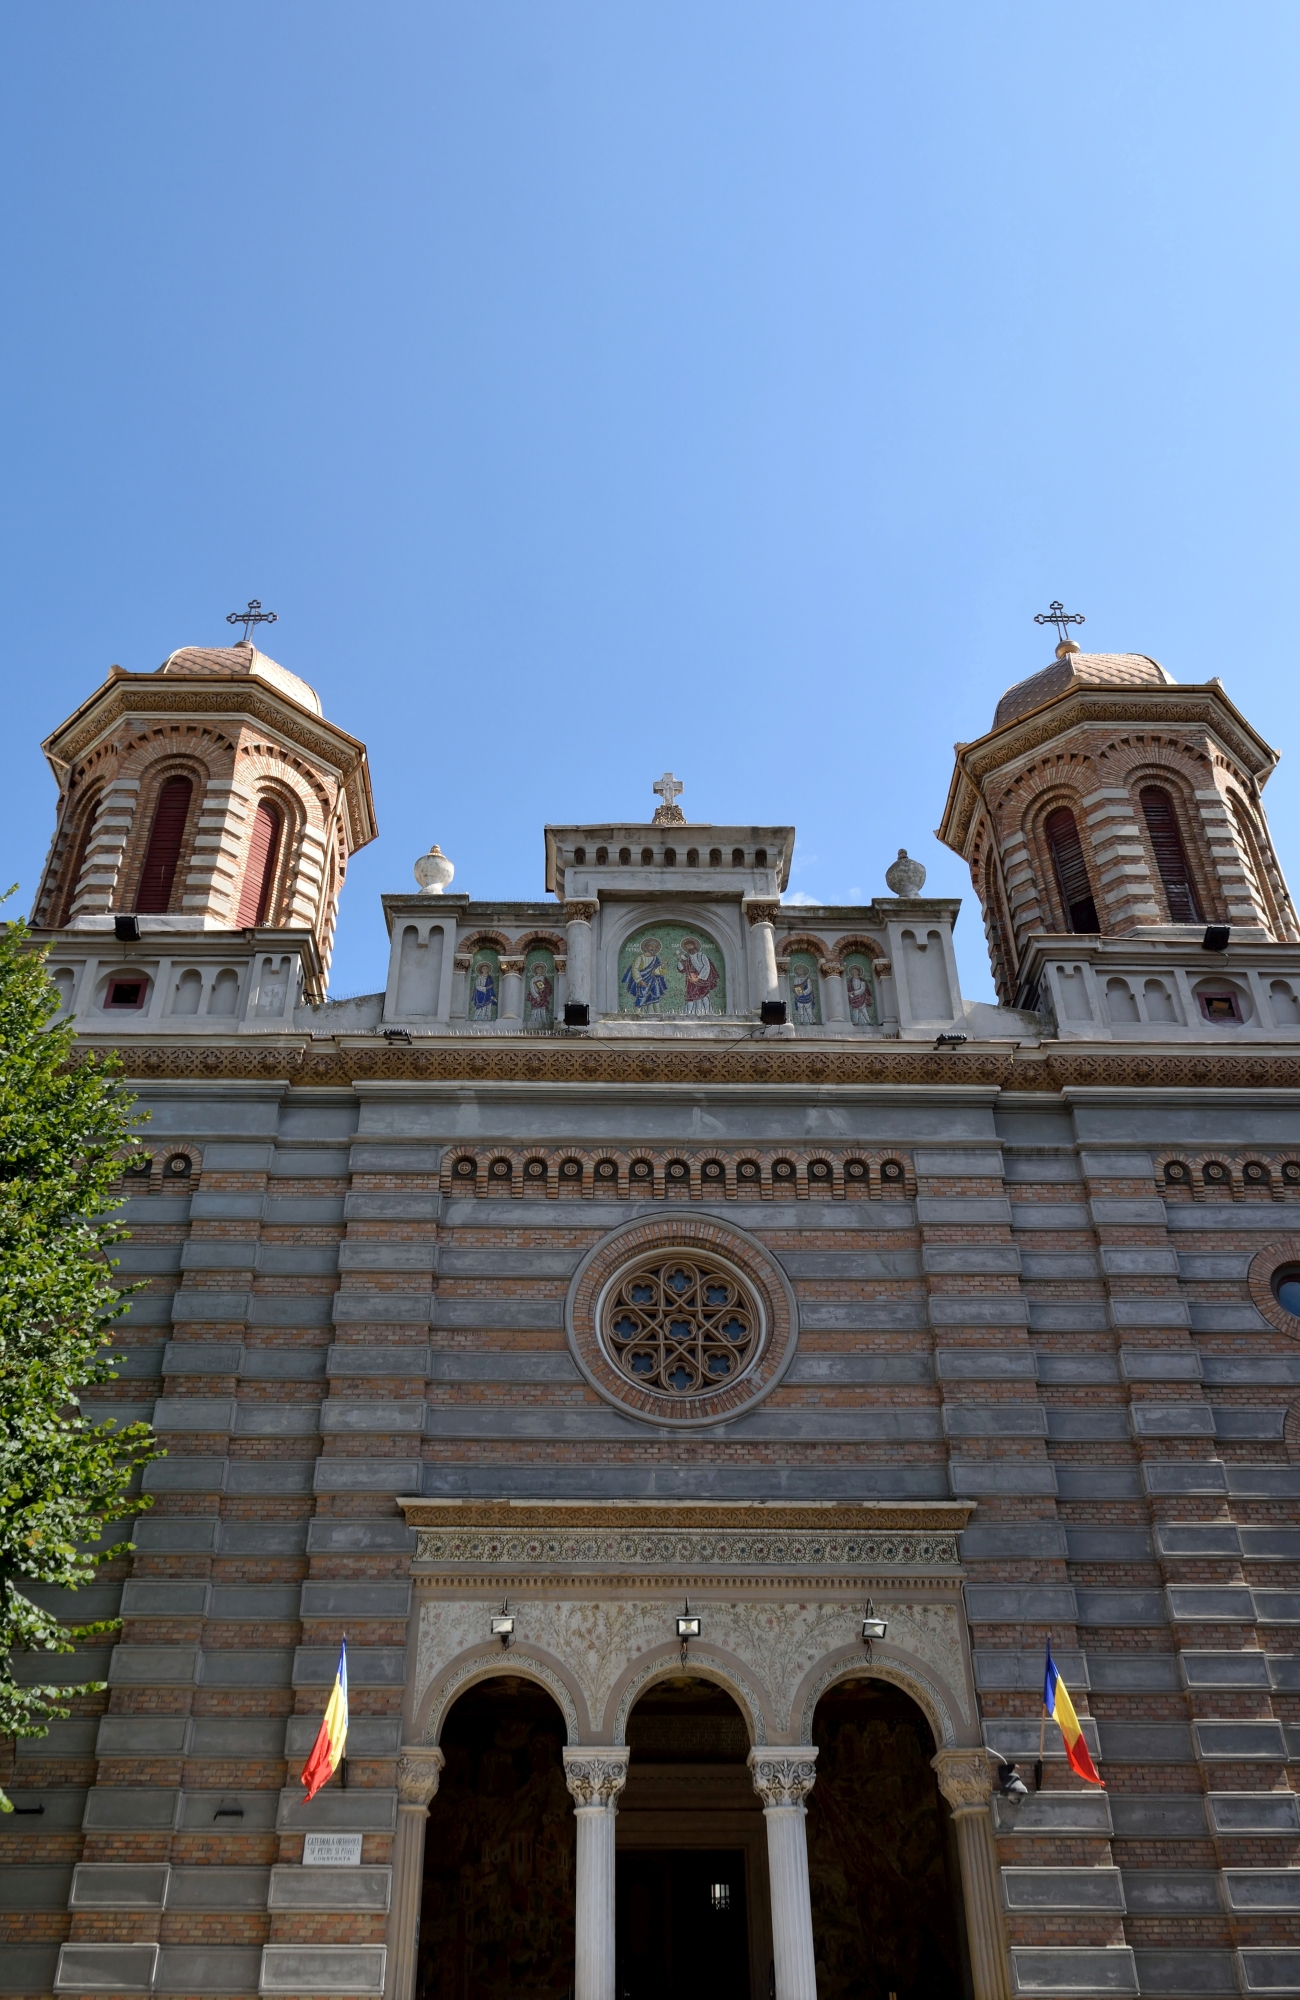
[[561, 985], [966, 1781], [837, 1007], [886, 998], [783, 1779], [578, 919], [460, 985], [595, 1777], [512, 989], [761, 918], [418, 1770]]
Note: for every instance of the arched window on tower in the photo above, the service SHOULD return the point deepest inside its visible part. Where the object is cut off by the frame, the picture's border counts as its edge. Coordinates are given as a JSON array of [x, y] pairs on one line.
[[1171, 857], [163, 853], [259, 872], [78, 849], [1071, 870]]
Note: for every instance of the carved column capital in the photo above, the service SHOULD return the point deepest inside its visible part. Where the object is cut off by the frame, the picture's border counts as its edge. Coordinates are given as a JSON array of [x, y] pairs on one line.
[[418, 1770], [760, 913], [830, 968], [580, 913], [462, 961], [784, 1777], [883, 967], [595, 1777], [965, 1778], [513, 965]]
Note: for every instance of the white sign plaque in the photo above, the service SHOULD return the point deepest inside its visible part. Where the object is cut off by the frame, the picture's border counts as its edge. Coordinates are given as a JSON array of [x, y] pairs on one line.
[[332, 1850]]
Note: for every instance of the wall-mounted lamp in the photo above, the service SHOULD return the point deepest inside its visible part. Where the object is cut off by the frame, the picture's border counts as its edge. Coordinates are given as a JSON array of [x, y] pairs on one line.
[[872, 1626], [950, 1041], [126, 930], [503, 1624], [688, 1628]]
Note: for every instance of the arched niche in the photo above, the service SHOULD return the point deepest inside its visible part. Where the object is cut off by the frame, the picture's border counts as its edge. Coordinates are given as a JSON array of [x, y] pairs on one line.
[[884, 1870], [672, 926], [497, 1903], [515, 1664]]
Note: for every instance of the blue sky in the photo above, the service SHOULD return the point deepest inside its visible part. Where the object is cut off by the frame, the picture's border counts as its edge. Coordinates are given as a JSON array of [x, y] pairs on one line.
[[594, 388]]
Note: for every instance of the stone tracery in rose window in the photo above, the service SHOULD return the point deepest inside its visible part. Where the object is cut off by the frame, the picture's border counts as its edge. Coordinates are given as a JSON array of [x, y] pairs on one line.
[[681, 1325]]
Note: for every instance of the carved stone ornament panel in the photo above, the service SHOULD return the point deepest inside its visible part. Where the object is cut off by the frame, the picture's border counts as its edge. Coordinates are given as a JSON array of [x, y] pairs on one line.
[[770, 1651], [648, 1254], [564, 1548], [418, 1770]]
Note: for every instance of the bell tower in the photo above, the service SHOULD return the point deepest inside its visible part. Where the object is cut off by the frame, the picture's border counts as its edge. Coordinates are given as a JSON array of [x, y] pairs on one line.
[[1115, 807], [206, 802]]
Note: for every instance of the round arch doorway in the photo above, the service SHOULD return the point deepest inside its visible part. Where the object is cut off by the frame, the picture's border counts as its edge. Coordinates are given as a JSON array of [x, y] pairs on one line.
[[882, 1856], [691, 1891], [497, 1907]]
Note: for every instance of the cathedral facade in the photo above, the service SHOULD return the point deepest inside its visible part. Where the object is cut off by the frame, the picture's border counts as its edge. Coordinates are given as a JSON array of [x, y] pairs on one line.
[[699, 1362]]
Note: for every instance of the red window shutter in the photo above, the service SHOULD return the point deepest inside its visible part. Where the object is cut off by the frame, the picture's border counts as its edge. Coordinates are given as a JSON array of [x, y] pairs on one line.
[[164, 850], [1171, 860], [1071, 870], [255, 894]]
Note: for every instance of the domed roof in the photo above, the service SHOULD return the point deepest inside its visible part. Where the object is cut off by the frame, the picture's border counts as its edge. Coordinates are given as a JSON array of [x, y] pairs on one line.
[[244, 662], [1070, 669]]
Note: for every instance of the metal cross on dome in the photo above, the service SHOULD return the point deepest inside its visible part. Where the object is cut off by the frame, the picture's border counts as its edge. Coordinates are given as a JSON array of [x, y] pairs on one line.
[[1062, 619], [253, 616]]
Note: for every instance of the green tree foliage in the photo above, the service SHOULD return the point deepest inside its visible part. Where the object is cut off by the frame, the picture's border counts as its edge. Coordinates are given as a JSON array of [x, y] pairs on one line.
[[65, 1126]]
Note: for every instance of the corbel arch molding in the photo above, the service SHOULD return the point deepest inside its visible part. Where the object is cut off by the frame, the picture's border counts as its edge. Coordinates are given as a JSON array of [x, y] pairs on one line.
[[550, 941], [520, 1663], [618, 923], [845, 945], [485, 940], [934, 1700], [665, 1664]]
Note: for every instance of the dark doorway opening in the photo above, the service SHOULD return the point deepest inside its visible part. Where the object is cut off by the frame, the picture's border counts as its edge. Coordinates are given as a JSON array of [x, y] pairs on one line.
[[691, 1875], [497, 1914], [886, 1899], [682, 1926]]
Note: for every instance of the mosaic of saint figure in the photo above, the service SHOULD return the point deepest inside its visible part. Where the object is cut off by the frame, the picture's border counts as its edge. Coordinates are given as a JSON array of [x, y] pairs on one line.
[[645, 979], [539, 994], [483, 992], [857, 991], [700, 975], [803, 993]]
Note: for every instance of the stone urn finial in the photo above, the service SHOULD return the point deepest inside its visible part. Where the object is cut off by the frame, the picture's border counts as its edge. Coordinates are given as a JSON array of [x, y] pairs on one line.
[[433, 871], [905, 876]]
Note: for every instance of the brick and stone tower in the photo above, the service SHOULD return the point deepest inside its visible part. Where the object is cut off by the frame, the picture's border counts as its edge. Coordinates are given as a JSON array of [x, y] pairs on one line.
[[1109, 802], [208, 798]]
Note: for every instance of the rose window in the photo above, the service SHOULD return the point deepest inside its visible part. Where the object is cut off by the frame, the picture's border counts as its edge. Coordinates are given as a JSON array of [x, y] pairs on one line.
[[681, 1325]]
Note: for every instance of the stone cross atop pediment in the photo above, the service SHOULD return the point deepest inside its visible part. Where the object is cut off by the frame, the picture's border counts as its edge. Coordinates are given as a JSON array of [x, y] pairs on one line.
[[669, 813]]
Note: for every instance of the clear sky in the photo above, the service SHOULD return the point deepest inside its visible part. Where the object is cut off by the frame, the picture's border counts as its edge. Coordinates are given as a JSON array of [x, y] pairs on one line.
[[595, 386]]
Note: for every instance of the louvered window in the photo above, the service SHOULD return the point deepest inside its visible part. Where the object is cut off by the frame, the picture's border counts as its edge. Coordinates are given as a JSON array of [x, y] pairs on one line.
[[1171, 860], [259, 875], [1071, 870], [164, 849]]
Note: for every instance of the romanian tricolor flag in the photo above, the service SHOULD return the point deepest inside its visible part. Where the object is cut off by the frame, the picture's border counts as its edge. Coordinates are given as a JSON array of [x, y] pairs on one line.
[[1056, 1700], [331, 1741]]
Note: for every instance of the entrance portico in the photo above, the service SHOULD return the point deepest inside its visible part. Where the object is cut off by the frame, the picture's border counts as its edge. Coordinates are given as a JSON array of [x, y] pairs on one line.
[[594, 1593]]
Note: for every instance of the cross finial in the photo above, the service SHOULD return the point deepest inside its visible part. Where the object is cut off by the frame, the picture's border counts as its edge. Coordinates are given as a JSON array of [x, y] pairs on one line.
[[669, 813], [253, 616], [1062, 619]]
